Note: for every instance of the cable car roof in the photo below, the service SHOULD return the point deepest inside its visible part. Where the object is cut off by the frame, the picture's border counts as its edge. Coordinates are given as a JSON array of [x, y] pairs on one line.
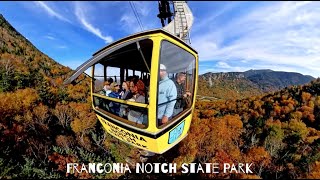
[[128, 56], [153, 31], [104, 53]]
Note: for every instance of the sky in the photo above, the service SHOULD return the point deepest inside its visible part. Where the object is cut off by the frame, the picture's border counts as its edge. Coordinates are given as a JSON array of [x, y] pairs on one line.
[[229, 36]]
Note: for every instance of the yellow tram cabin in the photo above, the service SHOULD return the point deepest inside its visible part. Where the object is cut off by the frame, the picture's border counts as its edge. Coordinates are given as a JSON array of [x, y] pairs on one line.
[[146, 63]]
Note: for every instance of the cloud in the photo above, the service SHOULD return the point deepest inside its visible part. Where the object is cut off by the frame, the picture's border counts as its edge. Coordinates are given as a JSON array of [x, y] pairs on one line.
[[50, 11], [130, 23], [223, 65], [62, 47], [277, 34], [214, 16], [80, 13], [50, 37]]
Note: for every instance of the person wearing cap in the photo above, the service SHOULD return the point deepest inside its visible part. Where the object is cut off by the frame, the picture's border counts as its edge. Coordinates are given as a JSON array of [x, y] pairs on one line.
[[166, 97], [114, 107], [181, 93]]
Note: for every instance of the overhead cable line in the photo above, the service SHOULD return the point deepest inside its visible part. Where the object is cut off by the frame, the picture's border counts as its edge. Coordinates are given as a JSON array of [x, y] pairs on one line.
[[136, 14]]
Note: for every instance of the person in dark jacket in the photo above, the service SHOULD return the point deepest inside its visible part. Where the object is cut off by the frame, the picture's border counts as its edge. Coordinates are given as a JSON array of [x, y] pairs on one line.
[[181, 93], [114, 107]]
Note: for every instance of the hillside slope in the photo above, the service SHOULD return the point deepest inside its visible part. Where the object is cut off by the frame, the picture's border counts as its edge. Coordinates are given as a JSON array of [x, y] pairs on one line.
[[232, 85], [43, 124], [279, 133]]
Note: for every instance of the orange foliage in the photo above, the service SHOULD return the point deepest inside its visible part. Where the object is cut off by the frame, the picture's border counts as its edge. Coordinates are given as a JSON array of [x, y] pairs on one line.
[[58, 81], [211, 138], [83, 125], [305, 97], [78, 92], [64, 113], [17, 102], [307, 112], [270, 123], [84, 119], [259, 157], [315, 171], [41, 113]]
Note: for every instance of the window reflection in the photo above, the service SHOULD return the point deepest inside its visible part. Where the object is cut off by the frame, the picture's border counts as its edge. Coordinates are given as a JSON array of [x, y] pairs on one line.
[[130, 114], [176, 82]]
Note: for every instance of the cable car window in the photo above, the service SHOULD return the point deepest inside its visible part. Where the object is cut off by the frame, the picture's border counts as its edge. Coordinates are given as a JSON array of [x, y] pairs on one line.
[[99, 79], [113, 72], [122, 83], [176, 82]]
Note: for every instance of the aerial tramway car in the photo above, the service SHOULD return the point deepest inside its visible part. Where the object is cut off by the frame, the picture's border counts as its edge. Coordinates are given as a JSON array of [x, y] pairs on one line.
[[142, 54]]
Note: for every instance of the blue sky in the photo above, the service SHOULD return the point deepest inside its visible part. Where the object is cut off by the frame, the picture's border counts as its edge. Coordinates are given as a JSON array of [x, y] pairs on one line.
[[229, 36]]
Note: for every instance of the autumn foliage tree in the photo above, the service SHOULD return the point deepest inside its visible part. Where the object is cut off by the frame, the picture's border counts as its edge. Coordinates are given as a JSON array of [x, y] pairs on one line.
[[279, 133]]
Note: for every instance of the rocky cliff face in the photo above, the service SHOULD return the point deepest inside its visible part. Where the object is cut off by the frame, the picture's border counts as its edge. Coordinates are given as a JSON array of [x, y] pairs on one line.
[[223, 75], [266, 80]]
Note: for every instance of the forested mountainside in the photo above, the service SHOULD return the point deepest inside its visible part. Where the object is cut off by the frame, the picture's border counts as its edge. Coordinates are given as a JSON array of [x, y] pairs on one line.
[[226, 86], [268, 80], [44, 125], [279, 133], [232, 85]]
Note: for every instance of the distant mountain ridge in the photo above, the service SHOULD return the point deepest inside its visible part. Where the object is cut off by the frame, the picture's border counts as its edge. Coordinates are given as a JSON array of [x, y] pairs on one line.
[[251, 82]]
